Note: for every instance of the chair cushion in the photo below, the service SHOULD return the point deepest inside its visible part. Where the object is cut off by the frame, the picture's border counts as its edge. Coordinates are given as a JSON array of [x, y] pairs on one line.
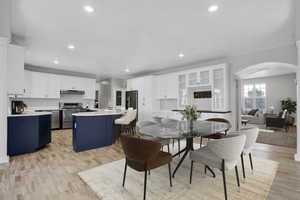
[[252, 112], [206, 157], [161, 159], [122, 121]]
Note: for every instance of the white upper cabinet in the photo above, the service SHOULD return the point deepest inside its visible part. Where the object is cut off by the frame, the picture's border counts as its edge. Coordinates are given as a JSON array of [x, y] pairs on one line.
[[199, 78], [41, 85], [167, 86], [90, 89], [212, 78], [45, 85], [15, 70]]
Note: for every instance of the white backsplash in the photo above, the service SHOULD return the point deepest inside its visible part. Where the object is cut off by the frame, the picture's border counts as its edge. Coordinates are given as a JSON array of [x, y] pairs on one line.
[[34, 104]]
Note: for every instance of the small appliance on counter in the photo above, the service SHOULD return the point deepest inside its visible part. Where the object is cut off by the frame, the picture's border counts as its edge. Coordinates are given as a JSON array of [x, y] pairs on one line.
[[17, 107]]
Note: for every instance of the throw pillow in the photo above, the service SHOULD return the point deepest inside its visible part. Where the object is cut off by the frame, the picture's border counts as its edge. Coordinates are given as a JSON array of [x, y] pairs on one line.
[[252, 112]]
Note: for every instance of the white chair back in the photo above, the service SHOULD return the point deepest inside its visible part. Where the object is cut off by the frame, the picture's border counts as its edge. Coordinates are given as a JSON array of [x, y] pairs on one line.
[[141, 124], [157, 119], [228, 148], [251, 134], [168, 121], [131, 115]]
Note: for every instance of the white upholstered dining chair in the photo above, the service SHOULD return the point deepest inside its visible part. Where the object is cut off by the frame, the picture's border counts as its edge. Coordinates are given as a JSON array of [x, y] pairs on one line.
[[251, 134], [222, 154]]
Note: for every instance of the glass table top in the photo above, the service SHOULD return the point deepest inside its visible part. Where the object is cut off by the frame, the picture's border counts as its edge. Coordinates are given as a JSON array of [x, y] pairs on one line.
[[183, 129]]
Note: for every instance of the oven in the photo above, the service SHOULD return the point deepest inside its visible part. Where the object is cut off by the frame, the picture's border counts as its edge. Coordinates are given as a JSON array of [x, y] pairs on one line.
[[67, 109]]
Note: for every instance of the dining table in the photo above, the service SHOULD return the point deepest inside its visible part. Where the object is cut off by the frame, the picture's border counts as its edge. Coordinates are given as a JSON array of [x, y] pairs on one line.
[[183, 129]]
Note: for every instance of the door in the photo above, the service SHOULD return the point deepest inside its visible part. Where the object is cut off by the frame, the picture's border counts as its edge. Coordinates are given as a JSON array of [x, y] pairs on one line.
[[118, 98], [132, 99]]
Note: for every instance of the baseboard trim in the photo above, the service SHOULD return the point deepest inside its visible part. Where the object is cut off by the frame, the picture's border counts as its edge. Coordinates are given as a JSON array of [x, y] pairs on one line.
[[4, 159], [297, 157]]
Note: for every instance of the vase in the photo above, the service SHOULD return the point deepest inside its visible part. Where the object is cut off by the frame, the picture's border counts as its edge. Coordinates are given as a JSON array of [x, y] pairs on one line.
[[191, 124]]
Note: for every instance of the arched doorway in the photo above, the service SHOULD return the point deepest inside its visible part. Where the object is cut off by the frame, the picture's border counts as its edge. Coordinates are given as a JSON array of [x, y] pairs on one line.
[[266, 69]]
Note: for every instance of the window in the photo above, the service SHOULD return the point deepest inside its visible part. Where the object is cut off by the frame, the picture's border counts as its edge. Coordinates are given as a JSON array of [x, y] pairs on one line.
[[255, 96]]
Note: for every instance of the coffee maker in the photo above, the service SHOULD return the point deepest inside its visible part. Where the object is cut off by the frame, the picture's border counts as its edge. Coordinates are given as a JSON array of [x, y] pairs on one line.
[[17, 107]]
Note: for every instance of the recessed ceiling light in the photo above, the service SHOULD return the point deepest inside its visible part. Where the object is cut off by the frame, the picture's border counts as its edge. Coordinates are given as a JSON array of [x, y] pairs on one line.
[[181, 55], [104, 82], [88, 9], [56, 61], [71, 47], [127, 70], [213, 8]]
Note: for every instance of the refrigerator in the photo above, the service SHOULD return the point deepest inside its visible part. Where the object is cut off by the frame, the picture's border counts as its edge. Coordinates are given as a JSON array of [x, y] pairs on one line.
[[132, 99]]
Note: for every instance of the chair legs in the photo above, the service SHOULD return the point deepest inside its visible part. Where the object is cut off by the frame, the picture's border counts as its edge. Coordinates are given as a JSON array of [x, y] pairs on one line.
[[237, 176], [201, 142], [251, 163], [243, 166], [170, 175], [145, 184], [168, 148], [191, 172], [179, 146], [124, 175], [224, 178], [145, 176]]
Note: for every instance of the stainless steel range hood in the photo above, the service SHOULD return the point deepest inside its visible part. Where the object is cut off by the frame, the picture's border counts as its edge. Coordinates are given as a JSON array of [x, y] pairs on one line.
[[72, 92]]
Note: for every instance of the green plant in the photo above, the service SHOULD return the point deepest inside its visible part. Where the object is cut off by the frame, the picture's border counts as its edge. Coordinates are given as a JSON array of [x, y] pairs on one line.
[[190, 113], [289, 105]]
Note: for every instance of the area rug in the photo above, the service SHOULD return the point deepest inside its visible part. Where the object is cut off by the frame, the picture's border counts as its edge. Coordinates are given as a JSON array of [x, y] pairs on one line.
[[106, 182]]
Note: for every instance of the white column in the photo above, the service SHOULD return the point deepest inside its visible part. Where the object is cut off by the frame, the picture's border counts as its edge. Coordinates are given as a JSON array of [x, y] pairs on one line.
[[3, 100], [297, 155], [238, 83]]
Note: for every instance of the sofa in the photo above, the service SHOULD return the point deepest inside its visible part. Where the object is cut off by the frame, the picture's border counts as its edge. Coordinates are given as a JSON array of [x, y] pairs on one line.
[[255, 117]]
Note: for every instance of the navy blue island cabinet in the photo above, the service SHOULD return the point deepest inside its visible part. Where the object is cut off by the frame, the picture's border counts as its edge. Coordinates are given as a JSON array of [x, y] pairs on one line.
[[94, 131], [27, 134]]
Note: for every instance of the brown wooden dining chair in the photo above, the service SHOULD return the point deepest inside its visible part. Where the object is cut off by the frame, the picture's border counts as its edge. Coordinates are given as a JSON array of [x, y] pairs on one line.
[[144, 155], [217, 135]]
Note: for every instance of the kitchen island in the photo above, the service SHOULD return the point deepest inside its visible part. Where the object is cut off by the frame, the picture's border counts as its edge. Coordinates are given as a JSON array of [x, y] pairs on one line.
[[94, 129], [28, 132]]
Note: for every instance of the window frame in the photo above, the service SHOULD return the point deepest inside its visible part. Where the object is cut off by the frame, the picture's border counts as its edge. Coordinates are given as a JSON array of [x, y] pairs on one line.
[[254, 96]]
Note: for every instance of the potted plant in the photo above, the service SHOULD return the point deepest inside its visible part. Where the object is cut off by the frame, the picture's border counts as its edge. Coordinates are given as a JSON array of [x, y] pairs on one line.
[[191, 114], [291, 107]]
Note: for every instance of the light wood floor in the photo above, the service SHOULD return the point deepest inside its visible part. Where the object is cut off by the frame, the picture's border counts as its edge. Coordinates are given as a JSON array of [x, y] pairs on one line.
[[51, 173], [279, 137]]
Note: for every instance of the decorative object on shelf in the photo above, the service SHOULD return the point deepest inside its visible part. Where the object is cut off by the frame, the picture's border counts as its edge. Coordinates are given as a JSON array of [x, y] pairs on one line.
[[291, 107]]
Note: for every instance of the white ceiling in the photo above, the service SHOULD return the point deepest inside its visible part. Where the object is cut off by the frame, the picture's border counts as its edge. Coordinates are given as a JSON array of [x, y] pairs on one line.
[[266, 70], [146, 35]]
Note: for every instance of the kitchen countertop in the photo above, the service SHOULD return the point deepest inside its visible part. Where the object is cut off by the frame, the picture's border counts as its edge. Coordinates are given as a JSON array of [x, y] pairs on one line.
[[98, 113], [29, 114]]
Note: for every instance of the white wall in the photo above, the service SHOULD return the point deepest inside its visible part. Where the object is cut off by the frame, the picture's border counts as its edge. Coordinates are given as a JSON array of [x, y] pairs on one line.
[[5, 9], [3, 100], [297, 7], [5, 18], [277, 88]]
